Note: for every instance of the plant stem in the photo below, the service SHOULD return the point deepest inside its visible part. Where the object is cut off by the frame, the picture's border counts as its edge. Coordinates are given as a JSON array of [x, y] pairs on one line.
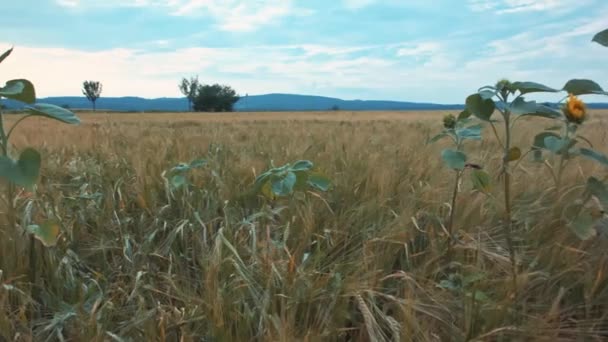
[[508, 227], [452, 214], [562, 160]]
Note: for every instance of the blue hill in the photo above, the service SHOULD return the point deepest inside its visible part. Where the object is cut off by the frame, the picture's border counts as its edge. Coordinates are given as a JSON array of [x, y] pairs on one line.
[[268, 102]]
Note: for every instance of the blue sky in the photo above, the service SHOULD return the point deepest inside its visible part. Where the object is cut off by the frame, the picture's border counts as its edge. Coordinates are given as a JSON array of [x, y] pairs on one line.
[[414, 50]]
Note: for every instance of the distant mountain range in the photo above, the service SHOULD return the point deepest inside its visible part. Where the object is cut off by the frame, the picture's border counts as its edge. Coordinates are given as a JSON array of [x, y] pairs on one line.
[[268, 102]]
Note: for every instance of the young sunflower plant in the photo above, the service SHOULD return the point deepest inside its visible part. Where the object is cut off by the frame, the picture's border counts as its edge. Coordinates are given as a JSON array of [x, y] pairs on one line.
[[23, 170], [509, 100], [459, 129]]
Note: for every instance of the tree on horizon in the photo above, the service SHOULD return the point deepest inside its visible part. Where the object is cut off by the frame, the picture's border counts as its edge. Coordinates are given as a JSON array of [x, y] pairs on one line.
[[92, 90], [189, 88]]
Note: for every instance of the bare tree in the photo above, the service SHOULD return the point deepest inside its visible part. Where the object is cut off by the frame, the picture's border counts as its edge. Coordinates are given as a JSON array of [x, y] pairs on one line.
[[92, 90], [189, 88]]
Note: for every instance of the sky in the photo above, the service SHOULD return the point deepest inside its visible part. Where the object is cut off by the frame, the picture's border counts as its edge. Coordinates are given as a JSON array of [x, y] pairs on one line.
[[409, 50]]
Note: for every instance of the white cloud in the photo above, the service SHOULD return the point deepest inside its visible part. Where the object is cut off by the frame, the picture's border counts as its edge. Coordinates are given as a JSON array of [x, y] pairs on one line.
[[439, 71], [518, 6], [230, 15]]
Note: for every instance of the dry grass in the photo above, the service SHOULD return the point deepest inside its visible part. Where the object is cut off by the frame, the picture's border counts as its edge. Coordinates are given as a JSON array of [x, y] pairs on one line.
[[360, 263]]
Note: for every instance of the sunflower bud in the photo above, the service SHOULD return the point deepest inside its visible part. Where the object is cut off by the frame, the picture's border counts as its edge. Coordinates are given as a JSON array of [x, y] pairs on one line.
[[449, 121], [575, 110]]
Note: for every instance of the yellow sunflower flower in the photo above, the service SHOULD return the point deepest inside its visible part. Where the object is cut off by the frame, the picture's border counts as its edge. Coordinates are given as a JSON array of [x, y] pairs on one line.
[[575, 109]]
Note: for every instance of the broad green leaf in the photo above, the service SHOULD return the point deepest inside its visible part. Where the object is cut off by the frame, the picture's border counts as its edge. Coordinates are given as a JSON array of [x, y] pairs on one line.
[[198, 163], [487, 94], [465, 114], [302, 165], [583, 87], [482, 109], [437, 138], [598, 189], [5, 54], [583, 226], [601, 38], [595, 155], [47, 232], [531, 87], [180, 168], [479, 296], [283, 186], [514, 154], [555, 145], [539, 139], [20, 90], [531, 108], [178, 181], [471, 132], [319, 181], [54, 112], [481, 181], [23, 172], [455, 160]]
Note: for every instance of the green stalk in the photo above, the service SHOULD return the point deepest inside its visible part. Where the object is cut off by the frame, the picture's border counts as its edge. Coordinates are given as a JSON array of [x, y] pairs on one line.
[[508, 227], [562, 160], [452, 214], [12, 217]]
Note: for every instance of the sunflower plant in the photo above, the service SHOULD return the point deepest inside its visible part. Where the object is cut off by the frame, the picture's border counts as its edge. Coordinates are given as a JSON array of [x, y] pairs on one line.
[[459, 129], [509, 100], [285, 180], [21, 169]]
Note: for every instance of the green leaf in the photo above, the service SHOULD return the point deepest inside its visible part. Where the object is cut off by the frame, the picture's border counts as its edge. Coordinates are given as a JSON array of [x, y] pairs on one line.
[[453, 159], [465, 114], [481, 181], [25, 171], [601, 38], [555, 145], [198, 163], [539, 139], [180, 168], [177, 181], [595, 155], [583, 226], [531, 108], [487, 94], [5, 54], [471, 132], [437, 138], [514, 154], [283, 186], [54, 112], [20, 90], [47, 232], [532, 87], [482, 109], [318, 181], [598, 189], [583, 87], [302, 165]]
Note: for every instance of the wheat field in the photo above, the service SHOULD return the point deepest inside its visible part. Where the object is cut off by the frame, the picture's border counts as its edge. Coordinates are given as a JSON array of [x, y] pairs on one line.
[[363, 262]]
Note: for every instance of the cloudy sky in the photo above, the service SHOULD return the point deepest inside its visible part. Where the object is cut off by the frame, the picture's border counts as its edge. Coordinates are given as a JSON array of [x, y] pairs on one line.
[[413, 50]]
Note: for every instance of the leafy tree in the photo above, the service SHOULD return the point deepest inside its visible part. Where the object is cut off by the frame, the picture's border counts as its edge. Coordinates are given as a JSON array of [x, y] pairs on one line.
[[215, 98], [189, 89], [92, 90]]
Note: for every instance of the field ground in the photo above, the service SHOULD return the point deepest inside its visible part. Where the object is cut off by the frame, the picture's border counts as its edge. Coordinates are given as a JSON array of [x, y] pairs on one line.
[[365, 261]]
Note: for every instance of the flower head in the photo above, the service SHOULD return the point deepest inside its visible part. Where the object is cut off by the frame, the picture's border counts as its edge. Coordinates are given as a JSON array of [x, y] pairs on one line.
[[575, 109], [449, 121]]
